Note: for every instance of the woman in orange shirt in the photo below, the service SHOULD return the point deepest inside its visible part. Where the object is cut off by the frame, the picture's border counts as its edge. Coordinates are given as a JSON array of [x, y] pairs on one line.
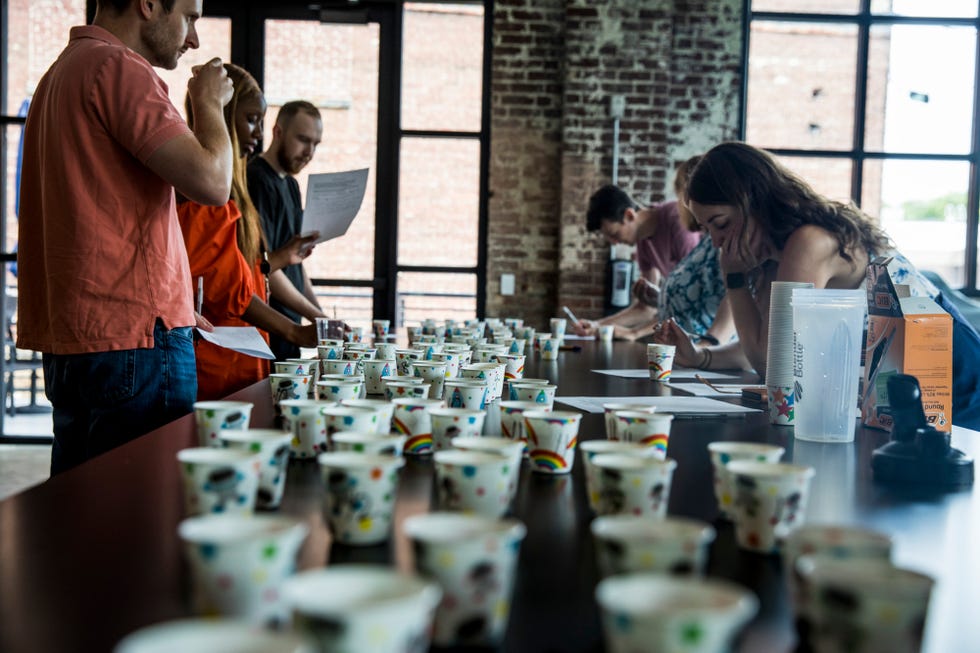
[[225, 246]]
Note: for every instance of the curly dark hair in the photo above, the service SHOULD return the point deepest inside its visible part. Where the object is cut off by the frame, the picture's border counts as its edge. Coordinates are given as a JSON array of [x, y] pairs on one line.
[[751, 180]]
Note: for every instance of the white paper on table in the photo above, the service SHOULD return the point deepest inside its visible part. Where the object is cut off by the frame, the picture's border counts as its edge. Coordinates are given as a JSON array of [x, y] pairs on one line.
[[677, 406], [575, 336], [676, 373], [701, 390], [245, 340], [332, 201]]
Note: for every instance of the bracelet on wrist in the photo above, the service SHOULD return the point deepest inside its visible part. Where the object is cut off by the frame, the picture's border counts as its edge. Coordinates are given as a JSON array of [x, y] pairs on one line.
[[705, 361]]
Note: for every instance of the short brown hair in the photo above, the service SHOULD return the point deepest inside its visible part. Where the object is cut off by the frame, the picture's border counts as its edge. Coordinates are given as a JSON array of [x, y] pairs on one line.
[[290, 109]]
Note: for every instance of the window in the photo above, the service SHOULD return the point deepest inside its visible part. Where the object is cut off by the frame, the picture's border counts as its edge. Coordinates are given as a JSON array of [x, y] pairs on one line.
[[873, 100]]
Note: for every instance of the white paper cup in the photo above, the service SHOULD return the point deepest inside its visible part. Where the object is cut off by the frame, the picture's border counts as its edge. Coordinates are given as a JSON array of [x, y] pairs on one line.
[[309, 366], [673, 545], [388, 444], [272, 447], [289, 386], [304, 419], [649, 429], [513, 365], [513, 451], [474, 559], [434, 373], [451, 359], [448, 423], [470, 393], [336, 390], [375, 372], [406, 390], [412, 419], [340, 366], [493, 373], [209, 635], [558, 326], [660, 361], [770, 502], [360, 499], [219, 480], [405, 357], [606, 332], [512, 420], [539, 393], [349, 418], [655, 612], [473, 481], [591, 448], [609, 410], [549, 347], [722, 453], [213, 417], [551, 437], [383, 407], [238, 564], [329, 352], [357, 608], [632, 485]]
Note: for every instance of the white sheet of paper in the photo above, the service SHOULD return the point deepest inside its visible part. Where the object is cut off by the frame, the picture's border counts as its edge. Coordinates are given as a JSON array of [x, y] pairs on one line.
[[678, 406], [245, 340], [676, 373], [332, 201], [575, 336], [699, 389]]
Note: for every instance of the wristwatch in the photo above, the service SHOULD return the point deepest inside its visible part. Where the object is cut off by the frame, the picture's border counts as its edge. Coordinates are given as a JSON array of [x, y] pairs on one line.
[[735, 280], [264, 263]]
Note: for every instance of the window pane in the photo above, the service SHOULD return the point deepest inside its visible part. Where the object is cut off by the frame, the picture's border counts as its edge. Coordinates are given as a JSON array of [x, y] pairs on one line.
[[442, 67], [922, 206], [927, 103], [801, 85], [37, 32], [829, 177], [423, 295], [11, 183], [808, 6], [353, 304], [344, 85], [438, 206], [215, 37], [944, 8]]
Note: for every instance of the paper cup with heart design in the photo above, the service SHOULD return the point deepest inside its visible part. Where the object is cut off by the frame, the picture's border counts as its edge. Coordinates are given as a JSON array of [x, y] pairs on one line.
[[539, 393], [448, 423], [630, 543], [355, 608], [360, 495], [493, 373], [384, 408], [722, 453], [374, 372], [660, 360], [770, 502], [272, 448], [863, 605], [650, 429], [289, 386], [389, 444], [209, 635], [474, 560], [433, 373], [342, 417], [238, 564], [406, 390], [213, 417], [470, 393], [500, 446], [304, 419], [592, 448], [412, 419], [609, 414], [219, 480], [632, 485], [551, 439], [473, 481], [656, 612]]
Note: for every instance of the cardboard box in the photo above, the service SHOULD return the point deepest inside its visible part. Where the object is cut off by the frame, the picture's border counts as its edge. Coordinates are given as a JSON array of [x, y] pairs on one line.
[[906, 335]]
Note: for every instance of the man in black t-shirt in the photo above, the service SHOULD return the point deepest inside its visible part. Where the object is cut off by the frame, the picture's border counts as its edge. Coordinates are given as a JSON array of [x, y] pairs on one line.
[[275, 193]]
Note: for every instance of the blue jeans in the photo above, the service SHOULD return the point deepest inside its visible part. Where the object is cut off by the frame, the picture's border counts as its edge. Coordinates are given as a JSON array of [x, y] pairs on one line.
[[106, 399]]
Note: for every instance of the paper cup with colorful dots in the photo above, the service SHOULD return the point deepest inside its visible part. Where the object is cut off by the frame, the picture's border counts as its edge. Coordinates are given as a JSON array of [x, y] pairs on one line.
[[360, 495], [384, 408], [542, 394], [209, 635], [500, 446], [238, 564], [272, 447], [660, 360], [349, 418], [448, 423], [305, 421], [633, 485], [628, 543], [474, 481], [770, 502], [219, 480], [355, 608], [551, 439], [412, 419], [474, 559], [649, 429], [289, 386], [592, 448], [722, 453], [390, 444], [213, 417]]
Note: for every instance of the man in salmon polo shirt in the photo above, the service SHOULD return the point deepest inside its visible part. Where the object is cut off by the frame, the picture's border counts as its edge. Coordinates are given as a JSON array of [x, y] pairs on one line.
[[105, 288]]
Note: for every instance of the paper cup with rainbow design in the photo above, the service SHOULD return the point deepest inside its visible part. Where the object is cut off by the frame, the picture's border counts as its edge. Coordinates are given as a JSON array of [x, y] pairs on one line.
[[633, 485], [650, 429], [551, 439], [660, 360], [513, 365], [360, 495], [512, 420], [413, 420], [239, 562], [474, 481], [474, 559]]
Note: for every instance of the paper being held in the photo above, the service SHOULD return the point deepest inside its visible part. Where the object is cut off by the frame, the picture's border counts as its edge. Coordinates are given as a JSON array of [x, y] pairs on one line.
[[332, 201], [245, 340]]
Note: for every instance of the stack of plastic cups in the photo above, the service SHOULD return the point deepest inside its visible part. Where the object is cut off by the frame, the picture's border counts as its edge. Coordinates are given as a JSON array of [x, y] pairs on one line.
[[779, 356]]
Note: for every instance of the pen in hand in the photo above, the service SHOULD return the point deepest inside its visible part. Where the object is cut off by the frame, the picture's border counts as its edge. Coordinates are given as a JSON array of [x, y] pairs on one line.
[[570, 315], [200, 295]]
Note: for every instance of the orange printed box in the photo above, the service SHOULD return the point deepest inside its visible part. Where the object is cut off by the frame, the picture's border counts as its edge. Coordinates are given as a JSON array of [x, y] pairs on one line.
[[906, 335]]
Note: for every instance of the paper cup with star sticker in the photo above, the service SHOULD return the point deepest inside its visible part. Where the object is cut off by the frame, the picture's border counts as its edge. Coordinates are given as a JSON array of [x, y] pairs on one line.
[[474, 559], [782, 404], [238, 564], [656, 612], [360, 495]]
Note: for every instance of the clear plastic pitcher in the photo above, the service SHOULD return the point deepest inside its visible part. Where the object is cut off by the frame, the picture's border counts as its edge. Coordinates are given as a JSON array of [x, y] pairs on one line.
[[828, 329]]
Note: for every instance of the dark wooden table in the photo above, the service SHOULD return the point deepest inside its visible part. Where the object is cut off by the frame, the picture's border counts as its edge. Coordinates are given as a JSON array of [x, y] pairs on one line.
[[93, 554]]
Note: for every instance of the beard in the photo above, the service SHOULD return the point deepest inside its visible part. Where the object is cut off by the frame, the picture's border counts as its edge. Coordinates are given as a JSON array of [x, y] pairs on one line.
[[292, 165], [162, 46]]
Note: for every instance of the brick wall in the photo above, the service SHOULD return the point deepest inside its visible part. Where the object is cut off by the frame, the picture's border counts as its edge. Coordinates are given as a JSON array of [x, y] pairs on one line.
[[555, 66]]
